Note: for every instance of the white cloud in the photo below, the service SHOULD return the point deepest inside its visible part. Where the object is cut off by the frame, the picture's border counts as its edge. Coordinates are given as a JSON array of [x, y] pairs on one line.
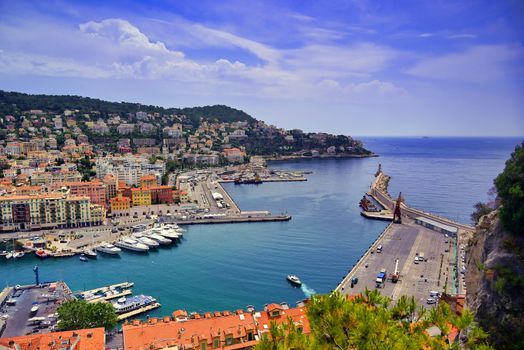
[[115, 48], [482, 63], [462, 36]]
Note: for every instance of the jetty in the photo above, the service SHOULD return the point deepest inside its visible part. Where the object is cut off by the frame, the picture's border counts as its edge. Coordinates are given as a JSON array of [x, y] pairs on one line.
[[207, 219], [418, 251]]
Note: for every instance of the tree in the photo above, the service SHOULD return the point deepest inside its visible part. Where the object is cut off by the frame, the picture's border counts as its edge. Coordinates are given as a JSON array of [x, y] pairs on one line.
[[79, 314], [510, 188], [481, 209], [368, 322]]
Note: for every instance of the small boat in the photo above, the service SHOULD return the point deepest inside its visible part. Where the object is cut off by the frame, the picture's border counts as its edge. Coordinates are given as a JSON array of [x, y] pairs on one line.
[[9, 255], [160, 239], [42, 254], [34, 309], [294, 280], [18, 255], [90, 253], [83, 258], [108, 249]]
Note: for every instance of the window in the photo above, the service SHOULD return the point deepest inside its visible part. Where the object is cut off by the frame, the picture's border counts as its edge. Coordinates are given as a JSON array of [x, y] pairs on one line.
[[216, 343], [203, 345]]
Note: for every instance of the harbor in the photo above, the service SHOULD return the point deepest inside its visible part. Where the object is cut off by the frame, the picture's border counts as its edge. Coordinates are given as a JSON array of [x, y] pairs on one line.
[[420, 256]]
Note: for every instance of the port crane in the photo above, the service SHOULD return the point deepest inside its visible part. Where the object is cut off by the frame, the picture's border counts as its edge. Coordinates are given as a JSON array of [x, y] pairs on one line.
[[397, 215]]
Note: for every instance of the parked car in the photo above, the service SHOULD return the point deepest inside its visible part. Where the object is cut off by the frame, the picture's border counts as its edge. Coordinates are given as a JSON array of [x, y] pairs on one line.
[[431, 301]]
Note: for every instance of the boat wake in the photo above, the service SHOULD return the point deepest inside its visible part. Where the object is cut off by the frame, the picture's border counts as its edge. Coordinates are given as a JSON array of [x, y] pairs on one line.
[[307, 291]]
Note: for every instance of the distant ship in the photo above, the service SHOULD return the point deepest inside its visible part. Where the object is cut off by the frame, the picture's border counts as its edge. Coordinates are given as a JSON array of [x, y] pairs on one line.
[[251, 180]]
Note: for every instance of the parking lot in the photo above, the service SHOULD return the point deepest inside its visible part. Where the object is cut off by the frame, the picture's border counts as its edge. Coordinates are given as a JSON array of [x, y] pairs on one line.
[[16, 310], [405, 242]]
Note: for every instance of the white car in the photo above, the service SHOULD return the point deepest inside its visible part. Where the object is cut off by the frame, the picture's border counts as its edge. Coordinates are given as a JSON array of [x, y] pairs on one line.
[[431, 301]]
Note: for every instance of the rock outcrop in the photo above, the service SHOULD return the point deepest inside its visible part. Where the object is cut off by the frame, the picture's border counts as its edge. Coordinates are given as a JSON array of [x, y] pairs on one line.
[[495, 282]]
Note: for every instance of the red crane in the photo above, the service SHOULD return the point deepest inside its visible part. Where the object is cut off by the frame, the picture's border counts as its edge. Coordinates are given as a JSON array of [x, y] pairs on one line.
[[397, 215]]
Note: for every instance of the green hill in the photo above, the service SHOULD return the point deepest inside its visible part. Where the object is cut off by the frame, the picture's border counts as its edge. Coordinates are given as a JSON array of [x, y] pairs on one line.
[[16, 102]]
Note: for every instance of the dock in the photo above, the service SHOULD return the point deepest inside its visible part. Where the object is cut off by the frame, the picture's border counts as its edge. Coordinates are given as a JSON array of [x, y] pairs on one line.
[[401, 243], [233, 219], [138, 311], [111, 297]]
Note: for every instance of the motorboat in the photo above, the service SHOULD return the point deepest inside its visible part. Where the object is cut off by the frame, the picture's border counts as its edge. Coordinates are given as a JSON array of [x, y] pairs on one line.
[[108, 249], [168, 233], [151, 243], [42, 254], [83, 258], [294, 280], [90, 253], [34, 309], [18, 255], [9, 255], [160, 239], [123, 304], [131, 244]]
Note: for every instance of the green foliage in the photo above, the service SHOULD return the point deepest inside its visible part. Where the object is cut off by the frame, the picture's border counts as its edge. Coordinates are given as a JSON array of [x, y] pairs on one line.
[[14, 103], [508, 280], [368, 321], [79, 314], [481, 209], [510, 188]]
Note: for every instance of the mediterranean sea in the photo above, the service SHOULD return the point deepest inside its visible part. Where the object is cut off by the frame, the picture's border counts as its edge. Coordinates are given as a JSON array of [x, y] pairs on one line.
[[225, 267]]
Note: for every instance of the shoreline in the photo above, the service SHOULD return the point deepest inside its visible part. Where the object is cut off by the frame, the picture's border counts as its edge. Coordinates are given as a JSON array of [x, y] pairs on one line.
[[322, 156]]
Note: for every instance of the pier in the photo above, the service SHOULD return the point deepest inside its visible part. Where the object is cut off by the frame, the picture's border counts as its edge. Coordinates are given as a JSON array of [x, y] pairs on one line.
[[423, 257]]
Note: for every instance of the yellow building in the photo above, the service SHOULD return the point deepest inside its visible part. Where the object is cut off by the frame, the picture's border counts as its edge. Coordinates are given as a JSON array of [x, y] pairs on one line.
[[148, 181], [120, 202], [140, 197]]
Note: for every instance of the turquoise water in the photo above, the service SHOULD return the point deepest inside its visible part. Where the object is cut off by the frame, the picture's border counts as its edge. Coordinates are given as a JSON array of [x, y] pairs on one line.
[[221, 267]]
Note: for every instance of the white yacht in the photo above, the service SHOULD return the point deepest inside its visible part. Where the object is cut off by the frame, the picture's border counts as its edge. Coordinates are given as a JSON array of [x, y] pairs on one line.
[[151, 243], [108, 249], [160, 239], [131, 244], [168, 233]]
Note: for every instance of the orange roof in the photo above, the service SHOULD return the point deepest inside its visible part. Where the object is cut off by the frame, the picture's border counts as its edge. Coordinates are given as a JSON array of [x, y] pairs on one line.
[[298, 315], [148, 177], [272, 307], [191, 332], [180, 313], [88, 339], [25, 197]]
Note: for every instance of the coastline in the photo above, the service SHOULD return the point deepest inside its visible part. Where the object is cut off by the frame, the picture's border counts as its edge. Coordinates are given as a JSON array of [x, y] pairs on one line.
[[322, 156]]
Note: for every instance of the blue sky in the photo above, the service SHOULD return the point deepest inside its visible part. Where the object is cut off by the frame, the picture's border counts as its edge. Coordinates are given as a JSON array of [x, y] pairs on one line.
[[352, 67]]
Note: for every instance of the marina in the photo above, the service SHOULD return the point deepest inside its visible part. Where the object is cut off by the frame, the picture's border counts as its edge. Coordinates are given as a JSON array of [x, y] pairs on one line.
[[225, 256]]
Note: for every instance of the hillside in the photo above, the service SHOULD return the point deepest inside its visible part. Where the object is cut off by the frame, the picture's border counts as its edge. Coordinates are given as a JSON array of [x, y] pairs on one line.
[[16, 102], [495, 282]]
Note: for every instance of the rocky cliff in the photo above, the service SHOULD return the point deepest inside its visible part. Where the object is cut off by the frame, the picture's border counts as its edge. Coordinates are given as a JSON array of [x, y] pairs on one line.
[[495, 282]]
